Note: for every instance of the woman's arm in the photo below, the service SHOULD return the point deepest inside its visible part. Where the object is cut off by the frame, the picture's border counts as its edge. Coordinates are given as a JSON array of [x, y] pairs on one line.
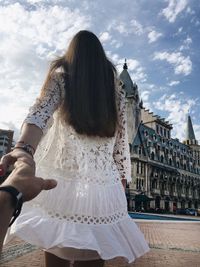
[[36, 121], [30, 134], [121, 153]]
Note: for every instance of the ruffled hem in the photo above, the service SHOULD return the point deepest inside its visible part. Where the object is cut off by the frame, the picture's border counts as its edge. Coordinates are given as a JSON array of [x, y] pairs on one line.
[[122, 239]]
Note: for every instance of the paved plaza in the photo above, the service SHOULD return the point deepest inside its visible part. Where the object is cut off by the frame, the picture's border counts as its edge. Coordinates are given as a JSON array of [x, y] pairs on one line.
[[174, 244]]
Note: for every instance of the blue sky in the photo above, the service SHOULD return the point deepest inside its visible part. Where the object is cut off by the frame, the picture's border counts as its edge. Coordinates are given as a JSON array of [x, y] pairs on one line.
[[159, 38]]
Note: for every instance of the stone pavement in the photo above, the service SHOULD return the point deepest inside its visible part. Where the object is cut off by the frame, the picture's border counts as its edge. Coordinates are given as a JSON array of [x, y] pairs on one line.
[[173, 244]]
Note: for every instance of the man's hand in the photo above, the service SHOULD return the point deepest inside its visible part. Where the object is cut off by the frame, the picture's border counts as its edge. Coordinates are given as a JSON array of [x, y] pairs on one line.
[[11, 158], [24, 180]]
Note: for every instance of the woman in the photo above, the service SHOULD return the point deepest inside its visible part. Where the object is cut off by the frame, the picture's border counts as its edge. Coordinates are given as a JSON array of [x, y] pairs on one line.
[[79, 122]]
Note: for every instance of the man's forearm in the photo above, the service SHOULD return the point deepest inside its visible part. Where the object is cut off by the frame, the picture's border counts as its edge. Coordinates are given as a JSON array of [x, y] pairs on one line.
[[6, 209]]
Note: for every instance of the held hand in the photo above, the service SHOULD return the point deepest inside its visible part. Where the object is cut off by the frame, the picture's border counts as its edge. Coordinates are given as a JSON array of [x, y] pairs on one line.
[[10, 159], [23, 178]]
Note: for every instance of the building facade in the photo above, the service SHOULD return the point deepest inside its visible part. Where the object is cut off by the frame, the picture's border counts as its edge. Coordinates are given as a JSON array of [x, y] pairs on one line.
[[6, 140], [165, 171]]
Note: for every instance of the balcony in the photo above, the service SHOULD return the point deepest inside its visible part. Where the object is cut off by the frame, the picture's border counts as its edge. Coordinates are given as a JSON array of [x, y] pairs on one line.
[[175, 194], [156, 191], [182, 195], [166, 193]]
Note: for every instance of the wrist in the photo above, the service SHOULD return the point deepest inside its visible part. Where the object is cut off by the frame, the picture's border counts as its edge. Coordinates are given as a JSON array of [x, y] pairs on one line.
[[25, 147], [15, 202], [7, 201]]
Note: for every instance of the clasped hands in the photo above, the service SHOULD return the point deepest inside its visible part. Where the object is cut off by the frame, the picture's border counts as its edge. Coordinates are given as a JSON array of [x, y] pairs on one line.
[[23, 175]]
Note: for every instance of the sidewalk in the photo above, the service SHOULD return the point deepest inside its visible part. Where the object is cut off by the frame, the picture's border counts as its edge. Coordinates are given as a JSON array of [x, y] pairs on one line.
[[172, 244]]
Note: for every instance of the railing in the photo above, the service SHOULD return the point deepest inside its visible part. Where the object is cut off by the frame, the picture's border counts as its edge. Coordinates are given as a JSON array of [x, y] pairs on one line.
[[166, 193], [155, 191]]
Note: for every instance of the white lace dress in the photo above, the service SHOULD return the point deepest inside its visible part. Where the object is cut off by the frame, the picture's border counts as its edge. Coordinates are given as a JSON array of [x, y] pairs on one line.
[[85, 217]]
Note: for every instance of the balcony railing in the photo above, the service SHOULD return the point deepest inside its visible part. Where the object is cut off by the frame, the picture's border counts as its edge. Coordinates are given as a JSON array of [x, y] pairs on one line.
[[166, 193], [155, 191]]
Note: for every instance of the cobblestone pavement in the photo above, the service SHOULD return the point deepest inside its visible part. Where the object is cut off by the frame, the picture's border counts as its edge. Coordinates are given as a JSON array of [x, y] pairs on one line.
[[172, 244]]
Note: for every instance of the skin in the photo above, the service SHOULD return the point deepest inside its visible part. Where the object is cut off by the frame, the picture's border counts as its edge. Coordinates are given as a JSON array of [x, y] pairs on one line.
[[24, 180]]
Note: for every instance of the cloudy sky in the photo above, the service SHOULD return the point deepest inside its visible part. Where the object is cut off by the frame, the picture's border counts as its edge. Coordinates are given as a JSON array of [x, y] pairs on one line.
[[159, 38]]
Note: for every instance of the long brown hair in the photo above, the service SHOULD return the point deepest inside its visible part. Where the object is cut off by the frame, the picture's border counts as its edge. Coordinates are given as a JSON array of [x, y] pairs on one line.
[[89, 104]]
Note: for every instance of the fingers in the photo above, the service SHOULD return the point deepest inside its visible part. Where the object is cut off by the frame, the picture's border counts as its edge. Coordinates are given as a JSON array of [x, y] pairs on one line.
[[25, 161], [48, 184], [5, 162]]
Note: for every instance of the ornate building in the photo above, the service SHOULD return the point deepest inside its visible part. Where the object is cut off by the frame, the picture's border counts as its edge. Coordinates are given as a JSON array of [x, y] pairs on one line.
[[165, 172], [6, 139]]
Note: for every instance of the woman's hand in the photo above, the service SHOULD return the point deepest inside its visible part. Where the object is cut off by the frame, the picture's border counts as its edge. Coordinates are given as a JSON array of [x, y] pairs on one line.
[[10, 158]]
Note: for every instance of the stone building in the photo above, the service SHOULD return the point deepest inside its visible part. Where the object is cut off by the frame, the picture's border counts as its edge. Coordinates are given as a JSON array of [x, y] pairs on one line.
[[165, 171]]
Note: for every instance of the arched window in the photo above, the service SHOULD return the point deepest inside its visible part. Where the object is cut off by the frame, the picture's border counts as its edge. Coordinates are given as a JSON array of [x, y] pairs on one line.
[[152, 155]]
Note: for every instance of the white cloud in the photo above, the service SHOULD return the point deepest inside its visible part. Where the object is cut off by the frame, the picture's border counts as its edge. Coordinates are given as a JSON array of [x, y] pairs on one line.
[[186, 44], [173, 83], [181, 64], [145, 96], [153, 36], [127, 27], [29, 39], [174, 8], [104, 37], [177, 106], [136, 27]]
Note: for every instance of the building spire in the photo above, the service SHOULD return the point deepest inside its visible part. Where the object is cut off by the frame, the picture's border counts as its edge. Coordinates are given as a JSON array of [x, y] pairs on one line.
[[125, 67], [190, 136], [189, 130]]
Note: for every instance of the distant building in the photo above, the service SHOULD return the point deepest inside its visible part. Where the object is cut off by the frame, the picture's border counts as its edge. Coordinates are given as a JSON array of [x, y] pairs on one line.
[[165, 172], [6, 140]]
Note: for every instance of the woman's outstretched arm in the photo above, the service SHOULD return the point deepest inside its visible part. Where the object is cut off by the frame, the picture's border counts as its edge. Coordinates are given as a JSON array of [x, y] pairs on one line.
[[121, 153], [36, 121]]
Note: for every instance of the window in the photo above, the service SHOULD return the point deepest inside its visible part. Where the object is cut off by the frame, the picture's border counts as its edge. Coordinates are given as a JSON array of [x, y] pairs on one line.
[[137, 167], [141, 168], [164, 132], [152, 155]]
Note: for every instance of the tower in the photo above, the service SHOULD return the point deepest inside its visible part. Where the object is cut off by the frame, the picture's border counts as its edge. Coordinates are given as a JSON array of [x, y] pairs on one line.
[[132, 103], [190, 136]]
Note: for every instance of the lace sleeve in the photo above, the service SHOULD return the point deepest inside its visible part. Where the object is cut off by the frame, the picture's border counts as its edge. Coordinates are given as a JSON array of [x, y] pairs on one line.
[[121, 152], [44, 107]]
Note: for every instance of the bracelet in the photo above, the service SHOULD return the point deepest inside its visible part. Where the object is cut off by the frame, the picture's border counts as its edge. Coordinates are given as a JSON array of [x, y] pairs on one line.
[[22, 142], [27, 148]]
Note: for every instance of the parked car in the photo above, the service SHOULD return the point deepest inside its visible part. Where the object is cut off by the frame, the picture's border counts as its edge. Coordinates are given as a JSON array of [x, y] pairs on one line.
[[188, 211], [191, 211]]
